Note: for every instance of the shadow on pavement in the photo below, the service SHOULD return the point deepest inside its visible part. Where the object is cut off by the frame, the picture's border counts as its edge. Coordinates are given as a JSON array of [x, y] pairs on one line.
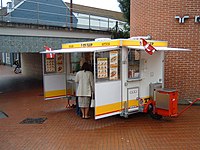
[[16, 82]]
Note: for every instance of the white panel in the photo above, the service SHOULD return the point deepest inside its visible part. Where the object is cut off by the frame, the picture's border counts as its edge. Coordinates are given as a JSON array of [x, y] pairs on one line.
[[160, 48], [54, 82], [107, 93], [152, 72], [151, 69], [107, 115]]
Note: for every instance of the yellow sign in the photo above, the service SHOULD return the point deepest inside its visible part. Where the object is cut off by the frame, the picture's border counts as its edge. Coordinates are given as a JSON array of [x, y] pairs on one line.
[[91, 44], [120, 42]]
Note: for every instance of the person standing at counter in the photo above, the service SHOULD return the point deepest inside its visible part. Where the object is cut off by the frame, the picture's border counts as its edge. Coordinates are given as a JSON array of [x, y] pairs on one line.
[[85, 81]]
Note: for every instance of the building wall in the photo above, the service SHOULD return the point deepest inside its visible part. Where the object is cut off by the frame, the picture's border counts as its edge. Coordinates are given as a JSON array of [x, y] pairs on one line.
[[16, 43], [157, 18], [31, 64]]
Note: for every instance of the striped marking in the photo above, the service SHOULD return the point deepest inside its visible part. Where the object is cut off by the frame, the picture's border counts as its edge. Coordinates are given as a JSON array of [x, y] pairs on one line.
[[113, 108], [107, 109], [55, 93]]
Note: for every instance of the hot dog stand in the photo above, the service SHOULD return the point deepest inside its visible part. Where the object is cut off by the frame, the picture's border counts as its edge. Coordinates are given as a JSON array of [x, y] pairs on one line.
[[127, 79]]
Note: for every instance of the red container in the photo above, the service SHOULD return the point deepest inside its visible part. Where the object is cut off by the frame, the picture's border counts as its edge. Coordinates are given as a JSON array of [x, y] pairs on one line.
[[166, 102]]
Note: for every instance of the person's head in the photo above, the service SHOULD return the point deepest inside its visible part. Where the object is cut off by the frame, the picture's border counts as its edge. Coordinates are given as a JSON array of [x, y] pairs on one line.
[[86, 67]]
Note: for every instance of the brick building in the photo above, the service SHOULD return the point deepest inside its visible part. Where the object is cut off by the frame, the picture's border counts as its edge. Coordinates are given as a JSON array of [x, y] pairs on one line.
[[158, 18]]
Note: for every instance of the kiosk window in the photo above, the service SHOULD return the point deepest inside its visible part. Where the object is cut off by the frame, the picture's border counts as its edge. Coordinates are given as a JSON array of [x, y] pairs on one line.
[[133, 64], [75, 62], [107, 66]]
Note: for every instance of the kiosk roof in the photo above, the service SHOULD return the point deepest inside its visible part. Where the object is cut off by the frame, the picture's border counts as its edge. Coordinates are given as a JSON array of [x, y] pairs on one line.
[[106, 45]]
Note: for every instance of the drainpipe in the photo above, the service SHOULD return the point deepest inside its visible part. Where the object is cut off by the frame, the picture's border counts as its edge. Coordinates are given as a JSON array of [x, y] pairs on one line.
[[71, 17]]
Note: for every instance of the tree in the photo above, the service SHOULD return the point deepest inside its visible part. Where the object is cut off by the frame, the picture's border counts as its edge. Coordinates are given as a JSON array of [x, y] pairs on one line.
[[123, 32], [119, 32], [124, 5]]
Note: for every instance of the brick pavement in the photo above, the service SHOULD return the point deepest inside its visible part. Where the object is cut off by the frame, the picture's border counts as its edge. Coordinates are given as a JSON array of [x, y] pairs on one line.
[[63, 130]]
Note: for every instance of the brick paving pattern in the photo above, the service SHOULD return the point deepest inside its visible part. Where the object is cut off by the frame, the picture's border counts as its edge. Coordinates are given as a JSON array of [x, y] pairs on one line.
[[64, 130]]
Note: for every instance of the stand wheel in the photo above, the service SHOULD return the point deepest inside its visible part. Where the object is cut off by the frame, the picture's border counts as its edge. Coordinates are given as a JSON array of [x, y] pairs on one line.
[[152, 115], [126, 116]]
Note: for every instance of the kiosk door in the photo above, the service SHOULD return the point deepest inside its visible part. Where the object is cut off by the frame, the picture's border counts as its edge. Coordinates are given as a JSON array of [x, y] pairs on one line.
[[54, 78], [107, 99], [130, 86], [54, 86]]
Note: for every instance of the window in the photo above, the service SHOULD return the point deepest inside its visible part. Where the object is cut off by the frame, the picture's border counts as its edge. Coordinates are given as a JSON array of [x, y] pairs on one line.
[[77, 60], [133, 64]]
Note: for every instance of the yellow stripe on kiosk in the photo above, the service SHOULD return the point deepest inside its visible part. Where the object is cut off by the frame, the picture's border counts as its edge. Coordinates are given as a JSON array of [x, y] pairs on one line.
[[91, 44], [121, 42], [103, 110], [115, 107], [137, 43], [53, 94]]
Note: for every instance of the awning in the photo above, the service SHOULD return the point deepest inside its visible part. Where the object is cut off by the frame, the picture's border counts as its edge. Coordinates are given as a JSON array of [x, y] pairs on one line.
[[159, 48], [75, 50], [101, 49]]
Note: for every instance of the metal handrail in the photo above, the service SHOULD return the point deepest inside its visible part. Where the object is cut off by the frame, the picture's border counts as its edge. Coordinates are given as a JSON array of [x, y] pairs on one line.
[[191, 103]]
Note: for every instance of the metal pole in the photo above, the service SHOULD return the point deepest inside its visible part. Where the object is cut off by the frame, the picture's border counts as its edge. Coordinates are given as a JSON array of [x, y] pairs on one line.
[[108, 24], [38, 13], [89, 21], [116, 28], [1, 10], [71, 17]]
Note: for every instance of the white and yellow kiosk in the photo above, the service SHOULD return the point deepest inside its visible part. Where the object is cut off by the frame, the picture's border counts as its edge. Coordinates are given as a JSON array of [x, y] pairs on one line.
[[124, 75]]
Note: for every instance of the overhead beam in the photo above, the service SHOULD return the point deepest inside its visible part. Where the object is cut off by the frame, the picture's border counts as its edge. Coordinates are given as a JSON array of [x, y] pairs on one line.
[[51, 33]]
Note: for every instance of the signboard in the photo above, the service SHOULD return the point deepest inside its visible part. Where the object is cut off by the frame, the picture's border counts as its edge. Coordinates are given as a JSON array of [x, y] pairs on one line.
[[133, 93], [113, 65], [112, 43], [59, 63], [102, 68], [54, 65], [50, 65]]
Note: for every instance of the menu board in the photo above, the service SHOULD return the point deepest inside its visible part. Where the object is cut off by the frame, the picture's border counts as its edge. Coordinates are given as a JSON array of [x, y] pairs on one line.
[[50, 65], [102, 68], [113, 65], [59, 63], [55, 65]]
